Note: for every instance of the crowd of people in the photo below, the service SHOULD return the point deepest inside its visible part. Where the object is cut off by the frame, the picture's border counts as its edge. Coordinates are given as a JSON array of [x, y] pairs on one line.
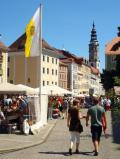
[[70, 108], [58, 106], [13, 108]]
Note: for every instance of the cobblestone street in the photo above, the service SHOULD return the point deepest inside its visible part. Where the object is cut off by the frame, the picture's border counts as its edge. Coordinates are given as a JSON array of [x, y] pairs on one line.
[[57, 145]]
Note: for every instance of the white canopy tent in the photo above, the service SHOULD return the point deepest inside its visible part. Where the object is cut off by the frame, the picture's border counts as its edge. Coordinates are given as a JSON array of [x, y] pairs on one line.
[[29, 90], [79, 95], [11, 88], [53, 90], [38, 110]]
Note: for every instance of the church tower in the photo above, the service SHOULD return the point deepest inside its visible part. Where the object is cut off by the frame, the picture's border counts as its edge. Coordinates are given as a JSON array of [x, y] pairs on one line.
[[93, 49]]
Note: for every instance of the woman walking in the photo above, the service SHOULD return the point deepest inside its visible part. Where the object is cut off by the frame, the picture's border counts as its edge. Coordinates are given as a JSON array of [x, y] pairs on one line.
[[74, 125]]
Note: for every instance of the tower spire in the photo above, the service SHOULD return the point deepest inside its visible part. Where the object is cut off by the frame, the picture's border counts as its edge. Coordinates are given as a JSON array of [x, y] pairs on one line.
[[118, 31], [93, 34], [93, 25], [93, 48]]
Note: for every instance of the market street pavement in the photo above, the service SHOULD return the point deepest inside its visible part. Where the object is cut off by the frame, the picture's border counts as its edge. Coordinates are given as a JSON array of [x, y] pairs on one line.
[[56, 145], [14, 142]]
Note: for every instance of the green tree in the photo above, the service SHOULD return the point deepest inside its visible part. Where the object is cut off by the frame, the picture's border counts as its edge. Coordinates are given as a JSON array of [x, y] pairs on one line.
[[117, 76], [117, 80], [118, 65], [107, 79]]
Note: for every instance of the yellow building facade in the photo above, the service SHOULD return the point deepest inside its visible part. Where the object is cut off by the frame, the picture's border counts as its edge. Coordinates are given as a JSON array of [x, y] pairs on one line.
[[4, 67], [3, 63], [84, 72], [27, 71]]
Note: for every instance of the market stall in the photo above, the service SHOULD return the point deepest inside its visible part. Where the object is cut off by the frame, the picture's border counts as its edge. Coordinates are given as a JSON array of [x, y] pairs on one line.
[[12, 116], [54, 90], [17, 103]]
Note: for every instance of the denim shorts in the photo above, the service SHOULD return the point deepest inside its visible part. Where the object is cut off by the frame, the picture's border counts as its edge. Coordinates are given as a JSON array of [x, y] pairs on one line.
[[96, 132]]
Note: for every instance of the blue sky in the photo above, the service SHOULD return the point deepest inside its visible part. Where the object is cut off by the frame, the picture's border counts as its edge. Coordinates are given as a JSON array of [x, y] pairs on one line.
[[66, 23]]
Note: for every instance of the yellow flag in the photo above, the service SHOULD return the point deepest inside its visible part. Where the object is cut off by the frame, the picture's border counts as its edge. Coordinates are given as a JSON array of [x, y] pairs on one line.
[[32, 35]]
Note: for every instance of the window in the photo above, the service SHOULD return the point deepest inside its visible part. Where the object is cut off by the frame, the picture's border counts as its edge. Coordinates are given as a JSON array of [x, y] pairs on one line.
[[52, 82], [52, 71], [28, 80], [8, 72], [43, 57], [43, 69], [55, 83], [8, 58], [47, 82], [47, 59], [47, 70], [43, 83], [52, 60], [56, 61], [56, 72]]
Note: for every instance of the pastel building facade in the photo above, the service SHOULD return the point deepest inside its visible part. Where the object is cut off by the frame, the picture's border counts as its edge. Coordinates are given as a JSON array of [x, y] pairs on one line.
[[112, 49], [85, 73], [27, 71], [63, 74], [3, 63], [57, 67]]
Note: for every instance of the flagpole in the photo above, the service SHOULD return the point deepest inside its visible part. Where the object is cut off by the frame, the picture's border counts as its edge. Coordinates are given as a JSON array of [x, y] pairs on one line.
[[25, 75], [40, 59]]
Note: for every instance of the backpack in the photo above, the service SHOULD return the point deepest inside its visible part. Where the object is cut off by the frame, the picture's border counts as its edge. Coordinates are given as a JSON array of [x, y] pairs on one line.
[[65, 104], [22, 105]]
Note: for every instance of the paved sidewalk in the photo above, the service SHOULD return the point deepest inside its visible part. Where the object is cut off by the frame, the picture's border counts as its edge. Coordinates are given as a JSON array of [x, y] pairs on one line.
[[14, 142]]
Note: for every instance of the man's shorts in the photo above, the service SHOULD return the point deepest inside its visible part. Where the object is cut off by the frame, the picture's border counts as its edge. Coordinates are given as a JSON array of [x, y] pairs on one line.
[[96, 132]]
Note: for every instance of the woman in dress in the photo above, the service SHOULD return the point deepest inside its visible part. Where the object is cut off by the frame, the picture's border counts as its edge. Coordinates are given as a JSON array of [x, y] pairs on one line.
[[74, 125]]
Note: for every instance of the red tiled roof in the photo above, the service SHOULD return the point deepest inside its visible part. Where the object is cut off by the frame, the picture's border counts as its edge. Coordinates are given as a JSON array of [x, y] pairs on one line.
[[46, 45], [19, 44], [66, 60], [71, 57], [95, 70], [3, 47], [113, 47]]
